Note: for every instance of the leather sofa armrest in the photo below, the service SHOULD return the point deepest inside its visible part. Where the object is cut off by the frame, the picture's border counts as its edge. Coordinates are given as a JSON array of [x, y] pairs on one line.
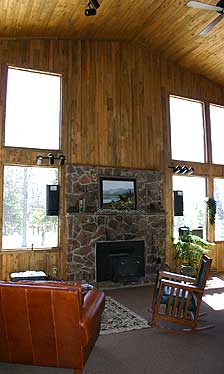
[[92, 308]]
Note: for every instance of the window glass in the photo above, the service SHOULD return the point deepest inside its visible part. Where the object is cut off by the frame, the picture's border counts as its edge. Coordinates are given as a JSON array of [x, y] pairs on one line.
[[32, 109], [25, 224], [194, 206], [219, 219], [187, 130], [217, 133]]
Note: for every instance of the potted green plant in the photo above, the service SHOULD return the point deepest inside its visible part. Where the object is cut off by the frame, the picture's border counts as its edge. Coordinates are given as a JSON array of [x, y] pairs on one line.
[[189, 249], [211, 207]]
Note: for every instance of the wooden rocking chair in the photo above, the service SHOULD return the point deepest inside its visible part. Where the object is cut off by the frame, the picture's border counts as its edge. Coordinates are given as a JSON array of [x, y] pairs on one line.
[[177, 298]]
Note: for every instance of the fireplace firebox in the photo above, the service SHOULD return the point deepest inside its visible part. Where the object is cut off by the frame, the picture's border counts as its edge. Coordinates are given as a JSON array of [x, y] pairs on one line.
[[120, 261]]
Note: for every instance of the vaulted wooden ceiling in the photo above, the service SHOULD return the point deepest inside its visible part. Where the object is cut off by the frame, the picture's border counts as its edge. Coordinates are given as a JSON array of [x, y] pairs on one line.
[[166, 26]]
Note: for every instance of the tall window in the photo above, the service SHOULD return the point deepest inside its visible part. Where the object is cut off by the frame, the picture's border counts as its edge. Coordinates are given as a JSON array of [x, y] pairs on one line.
[[187, 130], [219, 219], [188, 122], [25, 224], [217, 133], [194, 207], [32, 109]]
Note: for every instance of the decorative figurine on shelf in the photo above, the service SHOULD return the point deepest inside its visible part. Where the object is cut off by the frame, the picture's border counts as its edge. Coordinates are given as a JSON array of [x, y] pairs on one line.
[[93, 176], [82, 206]]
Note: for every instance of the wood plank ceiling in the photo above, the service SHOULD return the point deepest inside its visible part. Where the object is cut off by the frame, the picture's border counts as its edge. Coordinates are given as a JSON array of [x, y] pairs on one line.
[[166, 26]]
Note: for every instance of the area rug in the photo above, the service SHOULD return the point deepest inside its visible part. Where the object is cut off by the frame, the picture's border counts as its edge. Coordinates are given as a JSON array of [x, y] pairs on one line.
[[118, 318]]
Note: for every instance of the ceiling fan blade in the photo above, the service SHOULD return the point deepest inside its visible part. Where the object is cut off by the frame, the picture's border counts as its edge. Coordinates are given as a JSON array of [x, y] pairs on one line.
[[198, 5], [211, 25]]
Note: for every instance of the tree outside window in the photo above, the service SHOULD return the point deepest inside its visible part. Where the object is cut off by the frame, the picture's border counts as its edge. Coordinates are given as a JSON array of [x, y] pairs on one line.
[[194, 194], [25, 224]]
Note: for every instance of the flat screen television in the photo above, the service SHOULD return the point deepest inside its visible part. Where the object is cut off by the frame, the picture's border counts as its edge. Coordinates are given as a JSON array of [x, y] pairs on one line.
[[117, 193]]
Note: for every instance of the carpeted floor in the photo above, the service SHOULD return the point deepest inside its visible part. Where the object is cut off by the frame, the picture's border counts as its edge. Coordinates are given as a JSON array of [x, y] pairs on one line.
[[152, 351]]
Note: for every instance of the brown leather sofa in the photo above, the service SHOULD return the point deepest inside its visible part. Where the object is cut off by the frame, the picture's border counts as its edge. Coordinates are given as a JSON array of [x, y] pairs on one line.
[[49, 323]]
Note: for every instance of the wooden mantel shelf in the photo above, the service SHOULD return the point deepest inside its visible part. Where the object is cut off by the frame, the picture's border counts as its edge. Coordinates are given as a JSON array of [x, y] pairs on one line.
[[111, 213]]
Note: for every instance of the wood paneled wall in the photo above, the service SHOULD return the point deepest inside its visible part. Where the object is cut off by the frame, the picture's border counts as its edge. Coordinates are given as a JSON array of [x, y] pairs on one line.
[[115, 121], [114, 113], [25, 260]]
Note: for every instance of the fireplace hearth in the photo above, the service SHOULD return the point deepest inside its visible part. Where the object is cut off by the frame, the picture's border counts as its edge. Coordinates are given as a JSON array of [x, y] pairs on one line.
[[120, 261]]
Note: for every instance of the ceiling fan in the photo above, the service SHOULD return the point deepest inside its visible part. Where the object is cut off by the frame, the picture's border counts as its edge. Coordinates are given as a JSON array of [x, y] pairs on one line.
[[219, 8]]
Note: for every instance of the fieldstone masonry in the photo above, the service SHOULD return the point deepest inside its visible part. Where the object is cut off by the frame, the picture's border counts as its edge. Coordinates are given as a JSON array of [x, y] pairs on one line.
[[84, 229]]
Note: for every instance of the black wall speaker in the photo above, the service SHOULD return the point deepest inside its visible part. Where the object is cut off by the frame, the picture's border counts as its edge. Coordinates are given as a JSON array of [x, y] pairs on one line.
[[52, 200], [178, 203], [183, 231]]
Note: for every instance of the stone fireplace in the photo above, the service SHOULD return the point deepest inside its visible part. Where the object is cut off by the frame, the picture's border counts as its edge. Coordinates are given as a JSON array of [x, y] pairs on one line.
[[88, 226]]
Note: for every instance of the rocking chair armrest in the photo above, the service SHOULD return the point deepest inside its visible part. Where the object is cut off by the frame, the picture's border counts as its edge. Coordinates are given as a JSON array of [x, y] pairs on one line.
[[180, 277], [183, 286]]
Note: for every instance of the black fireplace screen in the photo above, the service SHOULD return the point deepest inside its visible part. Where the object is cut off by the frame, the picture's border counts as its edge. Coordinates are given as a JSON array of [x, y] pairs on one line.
[[118, 261]]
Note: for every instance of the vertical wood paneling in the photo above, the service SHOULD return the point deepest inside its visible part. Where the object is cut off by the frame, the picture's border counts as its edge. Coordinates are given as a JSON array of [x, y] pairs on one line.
[[27, 260], [114, 112], [75, 102], [126, 104], [115, 118]]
